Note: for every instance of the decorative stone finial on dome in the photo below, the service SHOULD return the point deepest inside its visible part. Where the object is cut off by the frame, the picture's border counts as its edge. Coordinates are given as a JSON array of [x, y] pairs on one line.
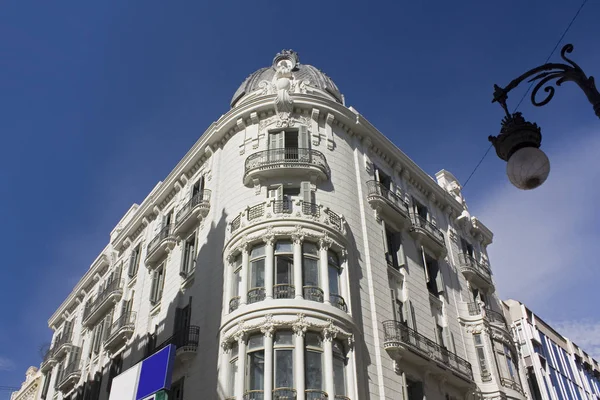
[[289, 55]]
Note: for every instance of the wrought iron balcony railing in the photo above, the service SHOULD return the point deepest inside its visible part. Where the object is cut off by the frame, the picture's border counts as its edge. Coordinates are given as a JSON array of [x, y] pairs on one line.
[[124, 322], [468, 261], [375, 188], [427, 226], [338, 301], [397, 333], [254, 395], [284, 394], [341, 397], [495, 317], [274, 158], [284, 291], [474, 308], [509, 383], [288, 209], [70, 375], [256, 294], [202, 198], [315, 394], [113, 288], [313, 293], [234, 303], [163, 234], [185, 338]]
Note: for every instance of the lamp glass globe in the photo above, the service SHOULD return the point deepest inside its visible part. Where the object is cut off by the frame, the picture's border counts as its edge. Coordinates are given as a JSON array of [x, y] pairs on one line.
[[528, 168]]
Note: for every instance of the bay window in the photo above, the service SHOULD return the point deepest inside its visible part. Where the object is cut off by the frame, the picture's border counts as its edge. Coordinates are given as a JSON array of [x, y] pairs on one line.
[[255, 363], [257, 274], [310, 272], [284, 270], [284, 360], [313, 362]]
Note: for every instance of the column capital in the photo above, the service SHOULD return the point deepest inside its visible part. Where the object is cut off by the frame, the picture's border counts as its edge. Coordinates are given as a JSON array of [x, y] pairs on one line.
[[325, 242], [300, 326], [298, 235], [268, 327], [330, 332]]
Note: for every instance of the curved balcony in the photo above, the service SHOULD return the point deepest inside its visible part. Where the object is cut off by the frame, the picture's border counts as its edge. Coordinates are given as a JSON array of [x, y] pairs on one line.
[[48, 361], [509, 383], [284, 394], [234, 303], [186, 342], [496, 319], [293, 162], [69, 377], [254, 395], [312, 293], [341, 397], [284, 291], [401, 342], [315, 394], [387, 203], [103, 302], [120, 331], [474, 271], [428, 234], [160, 245], [256, 294], [338, 302], [288, 209], [192, 212], [62, 346]]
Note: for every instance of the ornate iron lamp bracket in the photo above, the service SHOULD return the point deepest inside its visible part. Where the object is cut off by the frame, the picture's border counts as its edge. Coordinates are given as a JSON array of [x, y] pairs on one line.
[[548, 72]]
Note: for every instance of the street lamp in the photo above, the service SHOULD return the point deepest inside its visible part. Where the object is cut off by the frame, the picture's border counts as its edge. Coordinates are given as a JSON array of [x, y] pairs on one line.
[[519, 140]]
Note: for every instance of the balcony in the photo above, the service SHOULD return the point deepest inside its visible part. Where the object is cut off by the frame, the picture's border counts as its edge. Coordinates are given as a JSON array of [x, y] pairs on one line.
[[338, 302], [234, 303], [256, 294], [388, 203], [48, 361], [293, 162], [496, 319], [120, 331], [163, 242], [254, 395], [103, 302], [185, 341], [315, 394], [284, 394], [62, 346], [69, 377], [509, 383], [428, 234], [312, 293], [284, 291], [192, 212], [474, 271], [288, 209], [474, 309], [401, 342]]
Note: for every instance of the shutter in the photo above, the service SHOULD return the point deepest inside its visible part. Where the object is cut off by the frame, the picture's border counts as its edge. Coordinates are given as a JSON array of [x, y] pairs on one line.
[[178, 323], [118, 272], [161, 282], [154, 286], [393, 297], [306, 192], [424, 260], [413, 317], [184, 259], [439, 279], [303, 141], [273, 141], [132, 261], [447, 338], [279, 192], [192, 256]]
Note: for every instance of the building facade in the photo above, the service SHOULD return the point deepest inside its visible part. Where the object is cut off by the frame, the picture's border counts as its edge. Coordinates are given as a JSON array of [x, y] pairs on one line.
[[30, 387], [553, 367], [293, 253]]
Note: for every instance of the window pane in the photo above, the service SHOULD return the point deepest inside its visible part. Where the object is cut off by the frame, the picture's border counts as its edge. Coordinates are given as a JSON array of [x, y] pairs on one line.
[[284, 368], [334, 280], [257, 251], [313, 370], [233, 371], [284, 247], [313, 340], [256, 373], [284, 338], [339, 377], [310, 248], [234, 350], [284, 269], [258, 273], [332, 258], [237, 283], [311, 272], [255, 342], [237, 262]]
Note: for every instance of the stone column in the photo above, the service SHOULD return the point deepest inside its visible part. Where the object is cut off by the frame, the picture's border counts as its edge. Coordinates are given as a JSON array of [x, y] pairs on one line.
[[268, 342], [351, 370], [239, 382], [269, 267], [328, 336], [297, 238], [224, 371], [324, 245], [344, 279], [244, 274], [227, 282]]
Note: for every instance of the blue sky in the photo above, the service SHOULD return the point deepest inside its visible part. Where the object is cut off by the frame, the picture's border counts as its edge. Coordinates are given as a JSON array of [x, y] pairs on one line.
[[99, 100]]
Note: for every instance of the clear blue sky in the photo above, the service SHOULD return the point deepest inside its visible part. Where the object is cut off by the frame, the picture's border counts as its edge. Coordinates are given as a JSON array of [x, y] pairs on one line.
[[99, 100]]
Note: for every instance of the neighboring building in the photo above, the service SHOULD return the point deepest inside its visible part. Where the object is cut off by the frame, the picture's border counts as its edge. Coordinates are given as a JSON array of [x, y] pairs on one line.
[[555, 368], [30, 388], [293, 253]]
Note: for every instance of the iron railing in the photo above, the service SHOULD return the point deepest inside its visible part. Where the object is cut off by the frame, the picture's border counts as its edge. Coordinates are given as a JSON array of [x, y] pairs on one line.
[[396, 332], [375, 188], [256, 211], [254, 395], [126, 320], [341, 397], [426, 225], [338, 301], [164, 233], [311, 209], [284, 394], [509, 383], [284, 291], [256, 294], [495, 317], [64, 339], [467, 260], [315, 394], [72, 370], [283, 206], [234, 303], [287, 157], [101, 297], [187, 337], [474, 308], [202, 196], [313, 293], [48, 355], [236, 223]]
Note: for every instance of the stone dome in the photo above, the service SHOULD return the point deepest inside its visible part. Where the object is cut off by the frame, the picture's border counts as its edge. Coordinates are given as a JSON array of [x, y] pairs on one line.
[[316, 81]]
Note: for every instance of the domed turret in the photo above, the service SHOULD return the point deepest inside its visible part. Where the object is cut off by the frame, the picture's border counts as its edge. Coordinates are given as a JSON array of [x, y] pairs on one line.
[[305, 79]]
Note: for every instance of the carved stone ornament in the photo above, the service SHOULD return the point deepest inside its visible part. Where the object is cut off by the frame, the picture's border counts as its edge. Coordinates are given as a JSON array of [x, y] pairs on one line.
[[325, 242], [330, 332], [301, 325], [298, 235], [268, 327]]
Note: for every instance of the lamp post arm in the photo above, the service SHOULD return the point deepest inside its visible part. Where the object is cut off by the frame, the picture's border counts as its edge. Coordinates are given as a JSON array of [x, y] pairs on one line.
[[548, 72]]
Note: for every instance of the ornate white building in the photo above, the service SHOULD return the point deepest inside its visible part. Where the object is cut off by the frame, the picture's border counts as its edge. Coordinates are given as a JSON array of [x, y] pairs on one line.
[[30, 387], [293, 253]]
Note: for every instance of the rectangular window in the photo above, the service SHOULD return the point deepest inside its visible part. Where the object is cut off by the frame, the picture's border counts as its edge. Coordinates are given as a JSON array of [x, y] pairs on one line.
[[310, 264], [255, 363], [233, 369], [176, 392], [393, 255], [467, 248], [236, 289], [420, 210], [134, 261], [440, 335], [480, 350], [435, 284], [189, 256], [46, 386], [414, 390], [158, 281], [284, 360], [339, 368], [198, 186], [383, 178]]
